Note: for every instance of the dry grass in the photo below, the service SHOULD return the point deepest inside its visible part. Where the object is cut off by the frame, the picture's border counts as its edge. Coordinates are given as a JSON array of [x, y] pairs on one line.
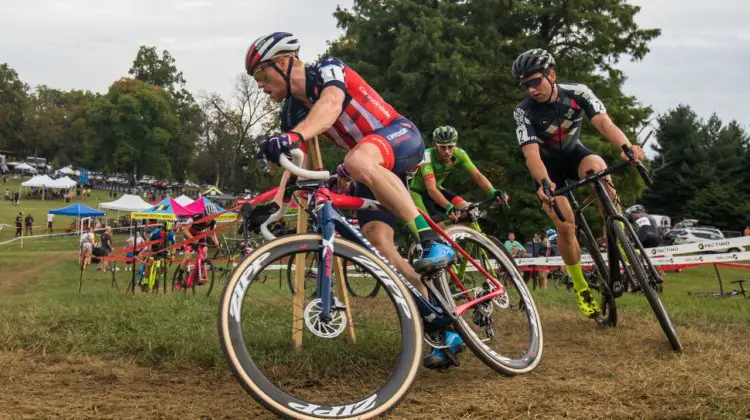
[[587, 372]]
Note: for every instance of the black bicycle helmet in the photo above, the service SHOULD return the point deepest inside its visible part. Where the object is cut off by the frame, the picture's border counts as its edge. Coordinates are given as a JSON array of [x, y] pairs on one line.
[[532, 61]]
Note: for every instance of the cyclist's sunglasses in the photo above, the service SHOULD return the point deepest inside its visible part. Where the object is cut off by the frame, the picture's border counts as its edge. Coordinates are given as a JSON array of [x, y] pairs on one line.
[[535, 82]]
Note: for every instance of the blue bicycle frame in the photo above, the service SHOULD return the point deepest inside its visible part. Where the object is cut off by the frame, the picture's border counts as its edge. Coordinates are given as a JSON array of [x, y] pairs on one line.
[[331, 221]]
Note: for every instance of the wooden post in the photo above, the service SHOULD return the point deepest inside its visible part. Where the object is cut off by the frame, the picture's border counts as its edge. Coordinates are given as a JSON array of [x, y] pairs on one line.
[[316, 162], [298, 325], [339, 280]]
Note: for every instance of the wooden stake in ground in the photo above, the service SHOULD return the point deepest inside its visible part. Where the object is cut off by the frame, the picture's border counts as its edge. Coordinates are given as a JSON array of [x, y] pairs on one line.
[[316, 162]]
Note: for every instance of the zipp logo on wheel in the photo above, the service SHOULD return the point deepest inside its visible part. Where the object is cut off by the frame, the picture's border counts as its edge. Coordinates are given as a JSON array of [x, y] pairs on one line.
[[337, 410], [241, 287]]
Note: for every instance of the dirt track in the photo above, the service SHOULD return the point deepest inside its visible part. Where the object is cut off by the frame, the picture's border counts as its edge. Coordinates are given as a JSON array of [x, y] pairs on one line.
[[712, 380]]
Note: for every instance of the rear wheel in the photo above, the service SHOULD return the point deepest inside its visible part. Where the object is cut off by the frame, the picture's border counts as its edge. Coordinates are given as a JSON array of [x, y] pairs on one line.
[[505, 332], [648, 286]]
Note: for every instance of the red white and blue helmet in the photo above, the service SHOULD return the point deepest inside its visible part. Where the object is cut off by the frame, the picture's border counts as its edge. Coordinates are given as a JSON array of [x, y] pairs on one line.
[[267, 47]]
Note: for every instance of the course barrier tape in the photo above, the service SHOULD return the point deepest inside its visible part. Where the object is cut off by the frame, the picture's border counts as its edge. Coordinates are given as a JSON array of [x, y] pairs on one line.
[[658, 253], [699, 246], [71, 234]]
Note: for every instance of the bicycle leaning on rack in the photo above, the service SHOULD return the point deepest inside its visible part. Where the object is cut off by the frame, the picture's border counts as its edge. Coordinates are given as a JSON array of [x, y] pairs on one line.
[[367, 371], [623, 246]]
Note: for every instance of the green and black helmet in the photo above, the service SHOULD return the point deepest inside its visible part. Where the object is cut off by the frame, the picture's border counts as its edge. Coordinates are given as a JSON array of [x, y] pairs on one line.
[[445, 135]]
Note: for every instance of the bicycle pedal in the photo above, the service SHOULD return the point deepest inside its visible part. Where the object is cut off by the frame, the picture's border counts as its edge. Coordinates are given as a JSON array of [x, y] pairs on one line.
[[453, 357]]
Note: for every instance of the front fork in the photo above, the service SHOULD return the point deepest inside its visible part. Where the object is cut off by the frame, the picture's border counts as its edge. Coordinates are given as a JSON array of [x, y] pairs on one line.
[[325, 263]]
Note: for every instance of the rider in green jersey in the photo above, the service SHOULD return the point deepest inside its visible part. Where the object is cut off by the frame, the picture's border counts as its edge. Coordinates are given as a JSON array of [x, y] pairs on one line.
[[439, 161]]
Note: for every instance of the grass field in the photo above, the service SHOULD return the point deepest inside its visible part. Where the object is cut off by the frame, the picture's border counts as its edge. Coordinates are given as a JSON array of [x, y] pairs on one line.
[[105, 354], [39, 208]]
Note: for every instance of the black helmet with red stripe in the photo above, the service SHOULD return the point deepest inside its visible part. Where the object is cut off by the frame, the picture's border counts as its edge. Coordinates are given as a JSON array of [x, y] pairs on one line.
[[267, 47]]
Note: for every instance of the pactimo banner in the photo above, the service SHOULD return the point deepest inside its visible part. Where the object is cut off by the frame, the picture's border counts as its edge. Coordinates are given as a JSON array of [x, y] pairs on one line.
[[662, 255]]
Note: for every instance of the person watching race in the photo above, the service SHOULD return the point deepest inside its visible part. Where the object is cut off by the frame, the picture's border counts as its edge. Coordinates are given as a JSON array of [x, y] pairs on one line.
[[548, 127], [426, 186], [330, 98]]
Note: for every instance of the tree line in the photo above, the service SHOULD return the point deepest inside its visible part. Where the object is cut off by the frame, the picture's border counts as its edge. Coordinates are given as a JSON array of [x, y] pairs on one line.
[[447, 63]]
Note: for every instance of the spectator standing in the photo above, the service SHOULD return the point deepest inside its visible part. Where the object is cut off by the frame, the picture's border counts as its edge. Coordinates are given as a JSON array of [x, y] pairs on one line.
[[50, 218], [106, 247], [19, 224], [29, 223], [539, 249], [87, 246], [747, 231]]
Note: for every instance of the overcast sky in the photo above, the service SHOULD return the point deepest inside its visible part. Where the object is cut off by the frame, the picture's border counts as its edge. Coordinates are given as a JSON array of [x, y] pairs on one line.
[[701, 58]]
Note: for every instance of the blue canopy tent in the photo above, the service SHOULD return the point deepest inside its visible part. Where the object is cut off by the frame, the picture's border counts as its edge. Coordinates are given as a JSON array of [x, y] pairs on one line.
[[77, 210]]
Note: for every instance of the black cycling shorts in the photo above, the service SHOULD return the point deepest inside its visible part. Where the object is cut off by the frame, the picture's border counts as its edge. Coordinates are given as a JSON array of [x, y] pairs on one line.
[[563, 166]]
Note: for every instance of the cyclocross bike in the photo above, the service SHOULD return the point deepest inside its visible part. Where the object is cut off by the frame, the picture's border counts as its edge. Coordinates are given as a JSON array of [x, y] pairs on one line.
[[608, 281], [196, 274], [367, 371]]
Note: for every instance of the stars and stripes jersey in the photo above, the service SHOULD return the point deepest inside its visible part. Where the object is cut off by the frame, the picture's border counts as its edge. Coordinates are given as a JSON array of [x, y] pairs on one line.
[[362, 112], [556, 127]]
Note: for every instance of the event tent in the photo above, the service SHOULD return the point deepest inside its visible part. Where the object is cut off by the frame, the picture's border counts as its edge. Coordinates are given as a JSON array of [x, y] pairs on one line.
[[38, 181], [24, 167], [67, 171], [127, 202], [213, 192], [77, 210], [167, 209], [184, 200], [62, 183], [199, 206]]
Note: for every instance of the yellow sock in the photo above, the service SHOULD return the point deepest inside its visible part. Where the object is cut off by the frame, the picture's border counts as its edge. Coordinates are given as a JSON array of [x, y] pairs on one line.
[[576, 274]]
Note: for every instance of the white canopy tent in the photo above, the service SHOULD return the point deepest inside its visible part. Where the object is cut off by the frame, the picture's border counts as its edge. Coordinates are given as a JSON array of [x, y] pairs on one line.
[[62, 183], [127, 202], [184, 200], [25, 167], [38, 181], [67, 171]]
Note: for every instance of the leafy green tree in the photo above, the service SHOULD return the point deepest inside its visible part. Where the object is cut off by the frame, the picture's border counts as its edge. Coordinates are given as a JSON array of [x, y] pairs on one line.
[[13, 98], [134, 124], [160, 70], [449, 63], [718, 205], [697, 163], [229, 133]]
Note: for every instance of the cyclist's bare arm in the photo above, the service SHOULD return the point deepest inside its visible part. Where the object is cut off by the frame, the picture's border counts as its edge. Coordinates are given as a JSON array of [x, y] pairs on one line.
[[536, 167], [435, 193], [614, 135], [323, 113], [480, 180]]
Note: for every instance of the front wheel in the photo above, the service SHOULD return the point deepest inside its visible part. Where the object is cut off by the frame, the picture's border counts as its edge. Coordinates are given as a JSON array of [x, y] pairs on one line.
[[505, 332], [326, 374], [640, 274]]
